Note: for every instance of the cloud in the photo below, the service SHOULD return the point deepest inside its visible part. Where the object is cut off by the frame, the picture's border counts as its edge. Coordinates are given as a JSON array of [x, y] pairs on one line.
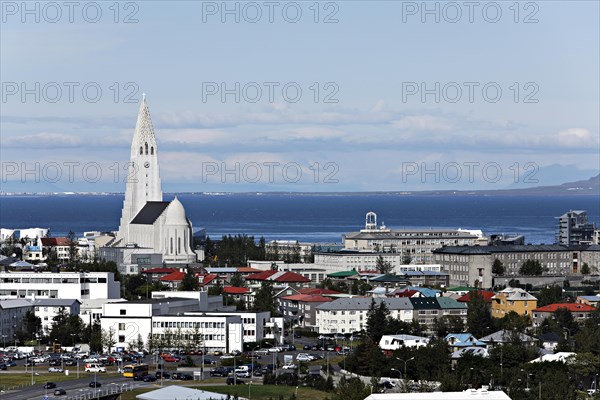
[[43, 140]]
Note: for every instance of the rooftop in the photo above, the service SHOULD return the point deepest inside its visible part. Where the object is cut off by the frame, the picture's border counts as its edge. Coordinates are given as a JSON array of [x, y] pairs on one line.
[[364, 303], [150, 212], [572, 307]]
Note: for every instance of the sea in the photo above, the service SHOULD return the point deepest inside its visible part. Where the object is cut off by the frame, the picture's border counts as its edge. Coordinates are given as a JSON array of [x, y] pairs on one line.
[[320, 218]]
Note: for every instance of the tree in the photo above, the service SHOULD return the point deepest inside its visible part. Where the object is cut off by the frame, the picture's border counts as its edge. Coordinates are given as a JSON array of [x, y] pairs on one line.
[[549, 295], [72, 248], [585, 269], [497, 267], [406, 259], [108, 339], [32, 325], [237, 280], [479, 316], [383, 267], [264, 299], [531, 267], [377, 318], [189, 282]]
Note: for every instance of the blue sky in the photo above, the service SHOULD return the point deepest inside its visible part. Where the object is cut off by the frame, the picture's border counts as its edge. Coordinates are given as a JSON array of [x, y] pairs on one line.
[[379, 134]]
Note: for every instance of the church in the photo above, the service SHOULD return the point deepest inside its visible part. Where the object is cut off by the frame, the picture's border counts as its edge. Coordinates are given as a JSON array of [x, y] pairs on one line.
[[148, 223]]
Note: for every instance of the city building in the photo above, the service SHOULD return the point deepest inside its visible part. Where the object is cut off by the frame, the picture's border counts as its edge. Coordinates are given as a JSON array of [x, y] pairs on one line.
[[47, 309], [415, 245], [301, 309], [348, 315], [515, 300], [472, 265], [428, 309], [279, 277], [148, 222], [579, 311], [12, 314], [131, 259], [59, 246], [59, 285], [290, 250], [574, 228], [483, 393]]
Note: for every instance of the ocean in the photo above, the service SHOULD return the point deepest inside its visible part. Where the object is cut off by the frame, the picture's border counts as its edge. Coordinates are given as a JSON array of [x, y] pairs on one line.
[[309, 217]]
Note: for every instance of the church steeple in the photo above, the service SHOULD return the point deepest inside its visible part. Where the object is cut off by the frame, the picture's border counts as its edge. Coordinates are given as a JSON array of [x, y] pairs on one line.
[[143, 176]]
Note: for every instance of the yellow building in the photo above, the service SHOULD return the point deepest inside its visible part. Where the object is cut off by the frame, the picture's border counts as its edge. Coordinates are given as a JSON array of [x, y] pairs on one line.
[[513, 299]]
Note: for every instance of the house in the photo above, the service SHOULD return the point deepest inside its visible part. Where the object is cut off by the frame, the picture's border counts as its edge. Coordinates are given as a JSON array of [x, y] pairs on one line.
[[428, 309], [505, 336], [47, 309], [469, 350], [462, 340], [549, 340], [154, 274], [279, 277], [513, 299], [60, 246], [579, 311], [589, 300], [301, 309], [390, 343], [562, 356], [486, 294], [427, 278], [173, 279], [483, 393]]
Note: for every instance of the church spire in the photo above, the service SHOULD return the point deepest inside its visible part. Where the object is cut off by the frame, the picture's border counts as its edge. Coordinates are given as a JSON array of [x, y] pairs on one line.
[[144, 128]]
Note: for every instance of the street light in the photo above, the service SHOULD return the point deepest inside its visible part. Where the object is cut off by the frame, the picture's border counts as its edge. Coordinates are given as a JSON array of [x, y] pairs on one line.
[[405, 361], [252, 372]]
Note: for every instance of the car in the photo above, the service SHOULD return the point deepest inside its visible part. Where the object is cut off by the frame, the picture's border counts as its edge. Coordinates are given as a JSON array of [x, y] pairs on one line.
[[149, 378], [343, 352], [3, 367], [60, 392], [138, 377], [217, 353], [219, 371], [95, 384], [263, 352], [170, 359], [162, 374], [304, 357], [258, 372], [297, 336], [268, 369], [50, 385], [209, 361], [289, 366], [70, 362], [185, 377], [234, 381], [10, 364], [243, 374], [307, 347], [55, 369]]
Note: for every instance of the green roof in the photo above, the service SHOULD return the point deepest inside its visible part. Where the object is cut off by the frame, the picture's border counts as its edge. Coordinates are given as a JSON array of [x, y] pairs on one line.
[[461, 289], [447, 302], [342, 274]]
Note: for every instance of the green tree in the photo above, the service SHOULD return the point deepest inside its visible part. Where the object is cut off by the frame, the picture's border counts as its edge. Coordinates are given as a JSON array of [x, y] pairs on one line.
[[479, 316], [264, 299], [531, 267], [383, 267], [406, 259], [550, 295], [108, 339], [585, 269], [189, 282], [497, 267], [377, 319], [237, 280], [72, 248]]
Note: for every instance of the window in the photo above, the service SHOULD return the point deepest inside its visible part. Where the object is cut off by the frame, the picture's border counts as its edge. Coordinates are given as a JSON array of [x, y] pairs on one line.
[[146, 147], [121, 338], [121, 326], [152, 150], [122, 312]]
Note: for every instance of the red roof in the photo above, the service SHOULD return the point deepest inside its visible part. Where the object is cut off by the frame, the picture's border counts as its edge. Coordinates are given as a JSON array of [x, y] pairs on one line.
[[277, 276], [572, 307], [175, 276], [59, 241], [235, 290], [205, 279], [317, 291], [487, 296], [247, 270], [159, 271], [406, 293], [307, 298]]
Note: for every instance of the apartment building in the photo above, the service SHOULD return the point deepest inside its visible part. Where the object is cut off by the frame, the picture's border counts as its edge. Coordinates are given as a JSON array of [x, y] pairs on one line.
[[579, 311], [513, 299], [47, 309]]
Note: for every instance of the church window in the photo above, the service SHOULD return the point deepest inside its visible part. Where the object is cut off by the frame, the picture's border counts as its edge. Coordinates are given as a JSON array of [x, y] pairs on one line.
[[141, 150], [171, 246], [179, 245], [152, 150], [146, 145]]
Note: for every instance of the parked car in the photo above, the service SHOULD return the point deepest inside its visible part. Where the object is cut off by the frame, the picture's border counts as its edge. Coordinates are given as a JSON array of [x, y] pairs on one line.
[[289, 366], [217, 353], [269, 368], [71, 362], [182, 377], [60, 392], [163, 374], [234, 381], [3, 367], [304, 357], [95, 384], [297, 335], [307, 347], [219, 371], [149, 378], [55, 369], [49, 385], [11, 364], [258, 372]]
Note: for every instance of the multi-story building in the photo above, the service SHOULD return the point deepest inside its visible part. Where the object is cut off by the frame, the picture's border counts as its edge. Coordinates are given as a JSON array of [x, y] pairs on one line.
[[579, 311], [47, 309], [60, 246], [301, 309], [348, 315], [418, 244], [513, 299], [291, 250], [472, 265], [12, 313], [169, 323], [59, 285], [428, 309], [574, 228]]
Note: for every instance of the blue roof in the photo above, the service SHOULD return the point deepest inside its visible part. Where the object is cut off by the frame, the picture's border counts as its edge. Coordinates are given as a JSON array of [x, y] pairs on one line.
[[427, 292], [418, 273], [591, 298]]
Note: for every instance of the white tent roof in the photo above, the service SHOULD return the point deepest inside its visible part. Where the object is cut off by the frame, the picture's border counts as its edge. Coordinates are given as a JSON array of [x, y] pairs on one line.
[[175, 392]]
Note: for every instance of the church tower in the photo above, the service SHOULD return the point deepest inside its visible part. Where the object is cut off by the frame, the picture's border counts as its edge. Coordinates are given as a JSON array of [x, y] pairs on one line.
[[143, 177]]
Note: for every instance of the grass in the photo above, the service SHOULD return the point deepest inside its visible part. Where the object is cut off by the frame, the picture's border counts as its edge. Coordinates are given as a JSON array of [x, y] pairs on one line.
[[267, 391], [19, 379]]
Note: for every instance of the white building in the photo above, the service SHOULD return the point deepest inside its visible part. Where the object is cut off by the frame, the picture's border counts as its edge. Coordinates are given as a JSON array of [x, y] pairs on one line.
[[147, 220], [347, 315], [483, 393], [47, 309], [59, 285], [418, 243], [394, 342]]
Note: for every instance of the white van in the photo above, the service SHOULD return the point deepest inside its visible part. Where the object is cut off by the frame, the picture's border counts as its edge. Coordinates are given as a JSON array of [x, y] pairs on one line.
[[94, 368]]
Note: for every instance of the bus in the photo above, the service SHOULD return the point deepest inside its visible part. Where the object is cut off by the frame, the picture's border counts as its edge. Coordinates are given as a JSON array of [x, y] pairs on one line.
[[129, 371]]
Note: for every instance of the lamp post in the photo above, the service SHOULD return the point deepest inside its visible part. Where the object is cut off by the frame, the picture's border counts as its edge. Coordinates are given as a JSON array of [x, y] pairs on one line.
[[252, 371], [405, 361]]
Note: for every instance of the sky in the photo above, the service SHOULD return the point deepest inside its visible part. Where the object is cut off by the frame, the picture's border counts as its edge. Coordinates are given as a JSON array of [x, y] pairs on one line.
[[301, 96]]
